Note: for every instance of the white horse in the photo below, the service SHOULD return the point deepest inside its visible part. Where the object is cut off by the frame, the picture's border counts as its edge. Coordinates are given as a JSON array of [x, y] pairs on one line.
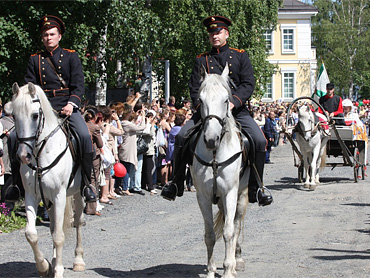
[[312, 144], [46, 170], [215, 172]]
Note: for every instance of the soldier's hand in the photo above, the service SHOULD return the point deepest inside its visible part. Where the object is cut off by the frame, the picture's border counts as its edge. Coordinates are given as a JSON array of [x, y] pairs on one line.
[[67, 110]]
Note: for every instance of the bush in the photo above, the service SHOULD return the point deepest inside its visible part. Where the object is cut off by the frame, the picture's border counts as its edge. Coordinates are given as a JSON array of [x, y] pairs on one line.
[[9, 221]]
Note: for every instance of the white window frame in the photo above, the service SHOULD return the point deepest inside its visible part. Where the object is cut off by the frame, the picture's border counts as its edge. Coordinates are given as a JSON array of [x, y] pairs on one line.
[[264, 99], [271, 33], [288, 27], [294, 72]]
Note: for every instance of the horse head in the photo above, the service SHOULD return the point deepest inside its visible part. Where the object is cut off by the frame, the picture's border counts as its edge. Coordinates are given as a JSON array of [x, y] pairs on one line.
[[306, 121], [28, 119], [214, 95]]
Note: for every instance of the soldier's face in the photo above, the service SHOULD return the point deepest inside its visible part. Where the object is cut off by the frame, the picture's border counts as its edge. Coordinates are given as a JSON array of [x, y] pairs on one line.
[[51, 38], [218, 39]]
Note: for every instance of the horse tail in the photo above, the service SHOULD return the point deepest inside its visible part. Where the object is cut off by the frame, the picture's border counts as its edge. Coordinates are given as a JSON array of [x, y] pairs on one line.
[[218, 224], [68, 215], [323, 159]]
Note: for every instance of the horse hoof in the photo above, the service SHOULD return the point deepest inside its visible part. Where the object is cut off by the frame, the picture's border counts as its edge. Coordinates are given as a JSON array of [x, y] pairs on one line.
[[240, 265], [47, 272], [312, 187], [306, 185], [79, 267]]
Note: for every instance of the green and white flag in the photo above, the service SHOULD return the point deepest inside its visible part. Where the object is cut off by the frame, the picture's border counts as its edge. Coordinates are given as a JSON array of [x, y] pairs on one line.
[[321, 82]]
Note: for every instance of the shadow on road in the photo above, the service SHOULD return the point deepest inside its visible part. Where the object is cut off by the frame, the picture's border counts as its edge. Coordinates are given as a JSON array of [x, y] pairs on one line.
[[161, 271], [348, 254], [18, 269]]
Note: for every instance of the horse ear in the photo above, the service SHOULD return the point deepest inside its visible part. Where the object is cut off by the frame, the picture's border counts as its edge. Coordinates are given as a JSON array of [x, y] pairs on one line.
[[225, 72], [15, 89], [203, 73], [31, 89]]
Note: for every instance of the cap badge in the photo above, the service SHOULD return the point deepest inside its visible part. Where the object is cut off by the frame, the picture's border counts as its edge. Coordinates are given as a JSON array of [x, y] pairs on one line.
[[212, 25], [213, 19]]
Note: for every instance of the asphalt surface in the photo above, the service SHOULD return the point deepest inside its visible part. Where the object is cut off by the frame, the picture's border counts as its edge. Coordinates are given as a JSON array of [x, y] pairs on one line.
[[321, 233]]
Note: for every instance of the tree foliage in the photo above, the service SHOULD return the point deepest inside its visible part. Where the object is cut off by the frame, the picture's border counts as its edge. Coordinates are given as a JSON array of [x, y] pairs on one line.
[[170, 30], [341, 35]]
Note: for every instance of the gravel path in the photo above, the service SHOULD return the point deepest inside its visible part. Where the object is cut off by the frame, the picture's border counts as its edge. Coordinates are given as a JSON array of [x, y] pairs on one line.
[[322, 233]]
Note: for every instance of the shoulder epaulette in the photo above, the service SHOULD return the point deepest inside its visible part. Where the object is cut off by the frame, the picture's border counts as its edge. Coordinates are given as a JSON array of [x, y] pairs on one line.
[[203, 54], [238, 50], [36, 53], [69, 50]]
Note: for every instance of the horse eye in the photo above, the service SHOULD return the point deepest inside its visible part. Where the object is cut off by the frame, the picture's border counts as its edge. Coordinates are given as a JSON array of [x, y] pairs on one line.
[[35, 116], [226, 101]]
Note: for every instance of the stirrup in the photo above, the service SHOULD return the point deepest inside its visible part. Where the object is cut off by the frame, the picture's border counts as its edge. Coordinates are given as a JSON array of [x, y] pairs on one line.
[[263, 190]]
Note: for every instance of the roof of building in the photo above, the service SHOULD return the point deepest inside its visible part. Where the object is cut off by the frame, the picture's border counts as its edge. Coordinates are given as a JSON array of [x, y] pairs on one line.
[[297, 6]]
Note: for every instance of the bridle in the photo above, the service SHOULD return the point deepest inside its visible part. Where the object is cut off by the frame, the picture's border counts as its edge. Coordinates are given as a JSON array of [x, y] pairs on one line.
[[214, 163], [40, 145]]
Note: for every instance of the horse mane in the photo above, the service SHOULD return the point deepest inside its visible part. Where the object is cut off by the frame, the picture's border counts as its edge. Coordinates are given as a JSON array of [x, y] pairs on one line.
[[23, 101]]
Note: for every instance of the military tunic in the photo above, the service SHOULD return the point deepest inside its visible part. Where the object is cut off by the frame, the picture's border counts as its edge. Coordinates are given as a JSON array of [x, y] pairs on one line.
[[68, 66], [243, 82]]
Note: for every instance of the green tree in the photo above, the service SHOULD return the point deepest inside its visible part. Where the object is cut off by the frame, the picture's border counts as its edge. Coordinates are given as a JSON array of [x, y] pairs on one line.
[[169, 29], [341, 35]]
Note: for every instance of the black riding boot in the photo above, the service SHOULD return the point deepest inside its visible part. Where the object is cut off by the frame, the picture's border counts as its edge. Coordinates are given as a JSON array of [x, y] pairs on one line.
[[176, 186], [87, 167], [255, 193]]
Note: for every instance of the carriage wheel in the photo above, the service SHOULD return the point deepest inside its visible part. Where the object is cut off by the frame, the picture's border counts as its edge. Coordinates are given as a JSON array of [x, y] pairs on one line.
[[300, 173]]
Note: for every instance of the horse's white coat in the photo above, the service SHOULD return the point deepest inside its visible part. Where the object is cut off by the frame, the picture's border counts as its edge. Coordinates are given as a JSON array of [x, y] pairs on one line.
[[54, 181], [312, 147], [232, 192]]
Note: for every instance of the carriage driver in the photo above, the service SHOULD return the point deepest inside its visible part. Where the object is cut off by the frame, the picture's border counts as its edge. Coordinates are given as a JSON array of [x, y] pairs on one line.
[[242, 86], [331, 103], [58, 72]]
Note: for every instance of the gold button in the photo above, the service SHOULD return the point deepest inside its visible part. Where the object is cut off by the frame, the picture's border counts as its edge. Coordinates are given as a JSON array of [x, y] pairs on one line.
[[43, 75], [59, 67], [229, 65], [231, 57], [42, 57], [211, 67], [210, 61], [231, 72], [60, 74], [42, 62], [44, 82], [60, 61], [61, 87], [61, 55], [43, 68]]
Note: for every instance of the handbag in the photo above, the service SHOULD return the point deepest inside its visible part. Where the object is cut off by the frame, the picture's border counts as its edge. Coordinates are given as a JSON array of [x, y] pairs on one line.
[[142, 146], [107, 155], [161, 141]]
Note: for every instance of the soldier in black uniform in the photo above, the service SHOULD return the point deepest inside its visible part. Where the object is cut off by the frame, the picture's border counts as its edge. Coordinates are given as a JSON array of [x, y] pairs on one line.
[[59, 73], [243, 82]]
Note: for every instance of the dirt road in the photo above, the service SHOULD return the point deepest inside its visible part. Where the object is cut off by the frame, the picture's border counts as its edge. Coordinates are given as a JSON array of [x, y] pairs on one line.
[[322, 233]]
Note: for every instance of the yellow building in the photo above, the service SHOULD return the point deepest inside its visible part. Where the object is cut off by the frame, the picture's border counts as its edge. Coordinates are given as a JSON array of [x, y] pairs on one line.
[[291, 51]]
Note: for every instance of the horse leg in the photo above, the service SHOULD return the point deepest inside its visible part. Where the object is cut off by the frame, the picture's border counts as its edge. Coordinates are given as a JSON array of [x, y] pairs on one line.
[[315, 158], [209, 234], [58, 235], [42, 265], [78, 264], [239, 217], [306, 164], [230, 238]]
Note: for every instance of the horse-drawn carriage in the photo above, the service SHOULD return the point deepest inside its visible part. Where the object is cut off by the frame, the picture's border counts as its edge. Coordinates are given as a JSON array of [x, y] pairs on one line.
[[348, 142]]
